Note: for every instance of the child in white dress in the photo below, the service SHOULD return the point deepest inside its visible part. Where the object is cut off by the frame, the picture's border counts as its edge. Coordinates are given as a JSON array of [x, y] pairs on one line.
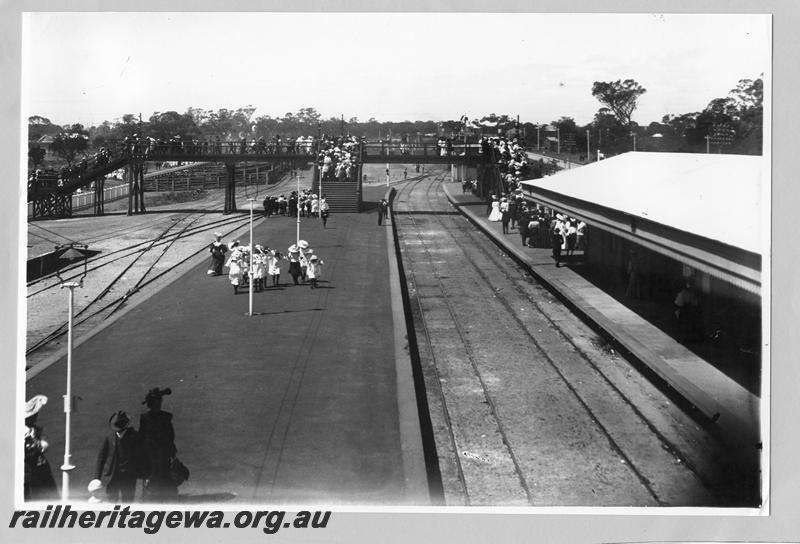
[[234, 265], [314, 270]]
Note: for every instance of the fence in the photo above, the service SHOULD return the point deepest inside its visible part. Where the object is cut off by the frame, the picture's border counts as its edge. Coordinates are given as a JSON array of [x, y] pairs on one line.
[[85, 200]]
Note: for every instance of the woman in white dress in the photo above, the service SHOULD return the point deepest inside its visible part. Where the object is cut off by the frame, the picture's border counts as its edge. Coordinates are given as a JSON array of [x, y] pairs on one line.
[[496, 214]]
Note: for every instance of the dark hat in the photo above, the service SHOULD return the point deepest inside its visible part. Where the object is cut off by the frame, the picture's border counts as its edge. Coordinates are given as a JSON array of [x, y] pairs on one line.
[[119, 421], [156, 393]]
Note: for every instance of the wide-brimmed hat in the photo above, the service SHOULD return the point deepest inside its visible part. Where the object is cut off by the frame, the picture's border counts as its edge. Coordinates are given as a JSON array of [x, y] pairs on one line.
[[313, 258], [156, 393], [33, 406], [119, 421], [302, 244]]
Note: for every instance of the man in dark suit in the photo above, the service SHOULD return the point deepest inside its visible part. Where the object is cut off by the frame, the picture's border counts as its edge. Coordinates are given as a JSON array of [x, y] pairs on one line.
[[121, 456]]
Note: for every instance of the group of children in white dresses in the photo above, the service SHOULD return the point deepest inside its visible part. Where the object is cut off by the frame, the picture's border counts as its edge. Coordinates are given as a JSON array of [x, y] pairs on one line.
[[266, 262]]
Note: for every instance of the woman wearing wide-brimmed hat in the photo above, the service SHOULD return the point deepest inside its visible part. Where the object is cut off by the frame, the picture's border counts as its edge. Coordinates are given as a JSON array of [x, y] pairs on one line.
[[158, 440], [218, 251], [39, 483]]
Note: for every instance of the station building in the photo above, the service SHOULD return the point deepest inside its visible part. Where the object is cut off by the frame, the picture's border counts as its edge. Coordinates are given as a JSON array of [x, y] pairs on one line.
[[697, 217]]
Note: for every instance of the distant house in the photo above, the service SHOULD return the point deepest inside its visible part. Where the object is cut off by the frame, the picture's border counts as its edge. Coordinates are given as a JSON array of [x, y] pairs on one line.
[[45, 142]]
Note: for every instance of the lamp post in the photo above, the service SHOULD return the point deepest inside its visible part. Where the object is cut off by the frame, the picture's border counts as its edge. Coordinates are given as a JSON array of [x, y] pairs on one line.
[[250, 267], [634, 140], [588, 152], [558, 137], [69, 253], [538, 145], [298, 206]]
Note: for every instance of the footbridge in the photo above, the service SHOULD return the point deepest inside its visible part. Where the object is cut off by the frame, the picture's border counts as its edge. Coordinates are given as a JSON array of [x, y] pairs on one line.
[[51, 195]]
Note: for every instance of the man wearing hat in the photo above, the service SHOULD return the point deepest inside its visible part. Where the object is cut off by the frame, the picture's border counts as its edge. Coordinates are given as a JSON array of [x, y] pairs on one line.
[[121, 456], [158, 438]]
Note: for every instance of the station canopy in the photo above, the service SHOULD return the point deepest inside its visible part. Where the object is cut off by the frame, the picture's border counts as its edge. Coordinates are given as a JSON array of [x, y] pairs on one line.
[[705, 210]]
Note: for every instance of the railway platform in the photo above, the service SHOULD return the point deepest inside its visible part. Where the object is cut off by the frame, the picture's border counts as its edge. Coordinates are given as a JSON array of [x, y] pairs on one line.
[[725, 405], [309, 400]]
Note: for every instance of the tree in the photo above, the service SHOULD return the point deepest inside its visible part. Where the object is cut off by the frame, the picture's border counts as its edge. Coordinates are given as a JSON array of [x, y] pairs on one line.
[[171, 123], [39, 126], [36, 154], [68, 144], [621, 97]]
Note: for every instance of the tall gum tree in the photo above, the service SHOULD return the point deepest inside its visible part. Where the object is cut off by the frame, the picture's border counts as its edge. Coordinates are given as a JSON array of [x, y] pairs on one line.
[[621, 97]]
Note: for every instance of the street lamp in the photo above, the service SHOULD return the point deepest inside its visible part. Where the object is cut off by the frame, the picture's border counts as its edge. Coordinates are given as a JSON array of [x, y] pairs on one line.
[[252, 260], [634, 140], [70, 253], [298, 206], [558, 137], [588, 152]]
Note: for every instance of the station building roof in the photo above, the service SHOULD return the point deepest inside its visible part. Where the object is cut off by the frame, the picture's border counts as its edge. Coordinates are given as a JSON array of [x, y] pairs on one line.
[[705, 210]]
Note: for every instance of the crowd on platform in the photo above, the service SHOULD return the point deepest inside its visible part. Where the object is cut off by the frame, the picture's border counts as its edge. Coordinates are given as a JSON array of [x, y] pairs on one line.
[[538, 226], [263, 265], [304, 204]]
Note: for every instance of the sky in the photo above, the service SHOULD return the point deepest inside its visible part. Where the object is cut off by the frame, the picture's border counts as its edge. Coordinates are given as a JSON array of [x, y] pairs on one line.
[[91, 67]]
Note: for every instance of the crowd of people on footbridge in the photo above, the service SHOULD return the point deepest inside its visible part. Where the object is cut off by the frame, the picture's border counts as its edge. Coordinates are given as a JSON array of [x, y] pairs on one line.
[[40, 178], [262, 266], [185, 145], [538, 226], [510, 158], [339, 158]]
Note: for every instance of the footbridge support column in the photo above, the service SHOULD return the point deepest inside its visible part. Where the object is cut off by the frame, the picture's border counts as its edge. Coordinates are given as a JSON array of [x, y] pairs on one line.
[[99, 195], [135, 176], [230, 188]]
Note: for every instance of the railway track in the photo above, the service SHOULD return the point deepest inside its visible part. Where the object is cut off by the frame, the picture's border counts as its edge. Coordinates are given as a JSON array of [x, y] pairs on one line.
[[528, 405], [114, 277]]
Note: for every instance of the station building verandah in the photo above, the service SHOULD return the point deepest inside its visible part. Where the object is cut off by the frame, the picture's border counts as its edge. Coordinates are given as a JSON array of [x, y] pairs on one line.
[[686, 217]]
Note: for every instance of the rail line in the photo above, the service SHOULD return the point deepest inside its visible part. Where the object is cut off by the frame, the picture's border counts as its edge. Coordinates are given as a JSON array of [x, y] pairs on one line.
[[165, 238], [580, 375]]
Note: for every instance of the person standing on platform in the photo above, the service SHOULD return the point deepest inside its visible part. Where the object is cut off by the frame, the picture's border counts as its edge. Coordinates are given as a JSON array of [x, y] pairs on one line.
[[495, 214], [571, 230], [38, 483], [325, 211], [218, 251], [123, 459], [383, 210], [505, 217], [158, 440], [294, 263], [314, 270], [557, 239], [235, 266], [524, 219], [513, 210], [274, 261], [405, 173]]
